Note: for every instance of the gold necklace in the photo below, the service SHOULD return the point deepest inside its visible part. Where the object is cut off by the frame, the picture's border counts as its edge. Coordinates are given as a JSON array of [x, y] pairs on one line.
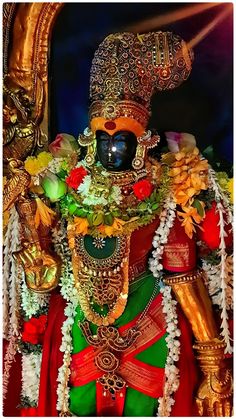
[[104, 280]]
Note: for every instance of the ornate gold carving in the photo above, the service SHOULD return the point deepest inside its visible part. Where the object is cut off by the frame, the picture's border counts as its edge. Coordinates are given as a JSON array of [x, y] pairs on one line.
[[8, 12], [105, 263], [214, 397], [42, 268], [101, 281], [20, 131], [17, 185], [183, 278], [127, 69], [112, 110], [28, 64], [110, 343]]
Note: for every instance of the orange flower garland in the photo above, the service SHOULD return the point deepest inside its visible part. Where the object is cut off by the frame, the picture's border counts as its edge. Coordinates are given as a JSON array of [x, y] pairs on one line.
[[189, 174]]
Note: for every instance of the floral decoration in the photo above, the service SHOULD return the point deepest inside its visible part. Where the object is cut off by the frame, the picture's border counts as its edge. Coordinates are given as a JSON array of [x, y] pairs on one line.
[[31, 364], [64, 145], [35, 165], [34, 329], [32, 303], [76, 177], [189, 175], [70, 294], [142, 189], [171, 371]]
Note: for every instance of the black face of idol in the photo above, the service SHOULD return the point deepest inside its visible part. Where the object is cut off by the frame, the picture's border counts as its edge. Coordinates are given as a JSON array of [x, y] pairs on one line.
[[116, 151]]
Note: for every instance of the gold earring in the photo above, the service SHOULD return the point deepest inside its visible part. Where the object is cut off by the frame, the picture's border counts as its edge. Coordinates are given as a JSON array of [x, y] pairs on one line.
[[145, 142], [138, 161], [88, 139]]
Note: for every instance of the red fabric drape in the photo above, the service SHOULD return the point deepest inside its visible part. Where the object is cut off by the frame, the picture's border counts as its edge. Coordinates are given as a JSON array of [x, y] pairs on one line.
[[52, 358], [189, 374], [14, 388]]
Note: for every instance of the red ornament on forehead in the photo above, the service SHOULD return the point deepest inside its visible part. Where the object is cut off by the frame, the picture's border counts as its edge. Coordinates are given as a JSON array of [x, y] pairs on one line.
[[110, 125]]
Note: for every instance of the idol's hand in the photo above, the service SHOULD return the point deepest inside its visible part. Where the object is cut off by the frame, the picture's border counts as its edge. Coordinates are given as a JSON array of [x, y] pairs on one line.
[[41, 268], [214, 397]]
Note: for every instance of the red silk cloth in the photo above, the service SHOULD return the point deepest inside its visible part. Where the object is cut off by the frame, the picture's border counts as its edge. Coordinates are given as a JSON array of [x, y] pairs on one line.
[[179, 252]]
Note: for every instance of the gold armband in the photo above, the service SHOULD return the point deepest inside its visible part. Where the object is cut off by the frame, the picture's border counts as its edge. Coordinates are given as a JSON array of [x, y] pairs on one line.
[[26, 209], [193, 297]]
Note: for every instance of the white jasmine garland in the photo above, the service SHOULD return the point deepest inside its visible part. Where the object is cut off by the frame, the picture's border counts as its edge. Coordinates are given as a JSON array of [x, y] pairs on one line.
[[69, 292], [11, 297], [115, 195], [213, 281], [85, 185], [31, 364], [223, 208], [160, 238], [171, 371], [32, 302], [14, 283], [92, 199], [6, 275], [55, 164], [66, 347]]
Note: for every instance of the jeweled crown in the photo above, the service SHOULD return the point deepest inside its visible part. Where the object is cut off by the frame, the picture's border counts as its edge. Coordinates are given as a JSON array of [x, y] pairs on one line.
[[128, 68]]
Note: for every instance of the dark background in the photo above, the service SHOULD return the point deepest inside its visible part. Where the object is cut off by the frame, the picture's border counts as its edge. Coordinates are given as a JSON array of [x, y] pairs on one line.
[[201, 106]]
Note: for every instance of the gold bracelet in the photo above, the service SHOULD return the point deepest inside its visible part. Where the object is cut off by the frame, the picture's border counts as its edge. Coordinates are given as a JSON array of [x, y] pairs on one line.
[[210, 354], [183, 278]]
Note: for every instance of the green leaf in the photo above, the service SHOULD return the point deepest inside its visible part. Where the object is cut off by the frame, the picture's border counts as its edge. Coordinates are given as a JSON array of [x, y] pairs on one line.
[[98, 218], [90, 218], [108, 219], [142, 206], [116, 213], [72, 208], [197, 204], [80, 213], [155, 206]]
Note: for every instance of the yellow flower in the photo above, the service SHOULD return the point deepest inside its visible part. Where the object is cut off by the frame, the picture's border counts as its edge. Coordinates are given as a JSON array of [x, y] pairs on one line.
[[44, 158], [32, 166], [189, 176], [81, 225], [230, 187]]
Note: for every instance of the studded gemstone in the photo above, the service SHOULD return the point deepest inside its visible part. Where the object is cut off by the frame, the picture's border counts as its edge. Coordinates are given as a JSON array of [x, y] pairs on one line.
[[110, 125]]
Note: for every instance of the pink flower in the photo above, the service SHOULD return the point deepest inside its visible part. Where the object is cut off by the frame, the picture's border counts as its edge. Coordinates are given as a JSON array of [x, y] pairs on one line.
[[179, 140], [173, 140], [64, 145]]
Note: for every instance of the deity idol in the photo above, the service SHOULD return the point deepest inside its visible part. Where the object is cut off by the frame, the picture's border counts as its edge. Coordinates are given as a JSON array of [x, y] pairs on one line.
[[123, 255]]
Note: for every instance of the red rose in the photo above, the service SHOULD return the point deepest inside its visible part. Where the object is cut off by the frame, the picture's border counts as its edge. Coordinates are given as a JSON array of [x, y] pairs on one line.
[[142, 189], [33, 330], [76, 177], [28, 411], [211, 230]]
